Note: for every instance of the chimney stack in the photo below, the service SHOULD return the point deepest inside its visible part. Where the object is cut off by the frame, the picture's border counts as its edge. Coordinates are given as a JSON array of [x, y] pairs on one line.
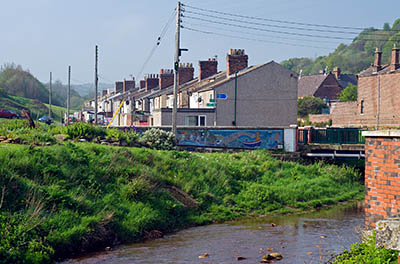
[[119, 87], [142, 84], [151, 81], [395, 59], [128, 85], [236, 60], [336, 71], [166, 78], [185, 73], [377, 62], [207, 68]]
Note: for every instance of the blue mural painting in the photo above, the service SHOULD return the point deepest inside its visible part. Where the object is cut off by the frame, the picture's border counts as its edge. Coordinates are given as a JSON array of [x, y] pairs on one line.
[[249, 139]]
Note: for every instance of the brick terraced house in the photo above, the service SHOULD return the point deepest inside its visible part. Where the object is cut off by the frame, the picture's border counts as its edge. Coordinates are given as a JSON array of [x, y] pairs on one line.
[[378, 100]]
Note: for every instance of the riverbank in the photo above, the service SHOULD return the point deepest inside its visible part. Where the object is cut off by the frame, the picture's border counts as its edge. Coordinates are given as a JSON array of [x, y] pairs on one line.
[[63, 200]]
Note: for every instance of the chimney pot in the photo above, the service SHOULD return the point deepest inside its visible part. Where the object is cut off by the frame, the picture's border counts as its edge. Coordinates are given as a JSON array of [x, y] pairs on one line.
[[395, 64], [336, 71], [377, 60]]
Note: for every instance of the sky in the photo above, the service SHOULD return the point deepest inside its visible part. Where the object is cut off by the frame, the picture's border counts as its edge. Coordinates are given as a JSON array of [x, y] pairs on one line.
[[49, 35]]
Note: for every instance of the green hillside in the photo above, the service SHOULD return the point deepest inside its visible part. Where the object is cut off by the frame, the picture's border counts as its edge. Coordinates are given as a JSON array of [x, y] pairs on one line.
[[18, 82], [35, 107], [354, 57]]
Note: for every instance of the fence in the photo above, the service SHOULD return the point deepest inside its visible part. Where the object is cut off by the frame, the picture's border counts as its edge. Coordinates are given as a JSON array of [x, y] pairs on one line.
[[330, 136]]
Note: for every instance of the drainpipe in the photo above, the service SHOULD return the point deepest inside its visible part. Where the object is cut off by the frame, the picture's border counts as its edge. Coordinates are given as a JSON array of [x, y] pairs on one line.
[[378, 103], [234, 122], [215, 107]]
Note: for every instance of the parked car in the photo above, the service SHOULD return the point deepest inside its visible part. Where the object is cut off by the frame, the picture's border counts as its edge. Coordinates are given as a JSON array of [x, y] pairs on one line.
[[46, 119], [4, 113]]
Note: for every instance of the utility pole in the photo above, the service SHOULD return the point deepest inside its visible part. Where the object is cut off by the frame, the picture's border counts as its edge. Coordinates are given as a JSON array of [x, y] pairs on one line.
[[68, 94], [50, 94], [96, 82], [176, 65]]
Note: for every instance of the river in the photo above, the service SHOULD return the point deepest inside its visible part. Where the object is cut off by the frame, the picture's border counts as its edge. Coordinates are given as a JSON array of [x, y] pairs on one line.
[[306, 238]]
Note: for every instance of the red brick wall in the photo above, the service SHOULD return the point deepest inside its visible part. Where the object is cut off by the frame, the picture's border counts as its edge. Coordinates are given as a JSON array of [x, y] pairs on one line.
[[344, 114], [319, 118], [382, 178]]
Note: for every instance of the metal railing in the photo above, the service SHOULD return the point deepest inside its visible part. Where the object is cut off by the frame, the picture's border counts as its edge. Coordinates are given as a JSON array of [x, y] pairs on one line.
[[333, 136]]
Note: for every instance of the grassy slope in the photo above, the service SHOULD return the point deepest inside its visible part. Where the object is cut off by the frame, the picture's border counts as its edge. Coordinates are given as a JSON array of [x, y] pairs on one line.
[[58, 111], [62, 200], [18, 103], [36, 108]]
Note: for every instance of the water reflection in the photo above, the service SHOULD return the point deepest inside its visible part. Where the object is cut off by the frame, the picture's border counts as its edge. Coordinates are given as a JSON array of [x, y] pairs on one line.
[[308, 238]]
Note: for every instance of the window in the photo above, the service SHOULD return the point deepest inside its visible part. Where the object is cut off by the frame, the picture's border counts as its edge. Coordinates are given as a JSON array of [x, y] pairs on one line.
[[362, 107], [191, 120], [195, 120], [202, 120]]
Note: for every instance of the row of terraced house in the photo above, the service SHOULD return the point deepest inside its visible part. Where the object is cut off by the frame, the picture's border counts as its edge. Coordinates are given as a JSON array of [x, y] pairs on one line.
[[242, 96]]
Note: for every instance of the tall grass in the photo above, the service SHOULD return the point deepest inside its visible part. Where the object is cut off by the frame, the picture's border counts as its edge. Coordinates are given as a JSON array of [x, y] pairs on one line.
[[63, 200]]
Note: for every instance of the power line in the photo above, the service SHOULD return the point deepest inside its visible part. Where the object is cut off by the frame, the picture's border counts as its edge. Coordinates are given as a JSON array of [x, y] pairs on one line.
[[270, 25], [162, 34], [264, 35], [278, 21], [252, 39], [281, 32], [268, 30]]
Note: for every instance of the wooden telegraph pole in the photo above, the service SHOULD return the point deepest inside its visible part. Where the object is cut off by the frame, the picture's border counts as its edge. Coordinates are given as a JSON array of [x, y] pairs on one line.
[[176, 66], [96, 83], [50, 94], [68, 94]]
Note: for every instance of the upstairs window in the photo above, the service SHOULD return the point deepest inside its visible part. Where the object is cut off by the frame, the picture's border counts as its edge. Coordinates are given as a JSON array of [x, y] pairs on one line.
[[362, 107]]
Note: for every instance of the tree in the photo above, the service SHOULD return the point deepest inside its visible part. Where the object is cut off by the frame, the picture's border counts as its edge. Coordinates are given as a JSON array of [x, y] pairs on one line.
[[309, 105], [349, 93], [386, 27]]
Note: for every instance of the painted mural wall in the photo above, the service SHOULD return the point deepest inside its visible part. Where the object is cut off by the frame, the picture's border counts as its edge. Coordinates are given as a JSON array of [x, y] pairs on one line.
[[248, 139]]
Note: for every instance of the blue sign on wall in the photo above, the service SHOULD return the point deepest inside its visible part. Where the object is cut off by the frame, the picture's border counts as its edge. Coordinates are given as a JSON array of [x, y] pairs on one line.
[[222, 96], [249, 139]]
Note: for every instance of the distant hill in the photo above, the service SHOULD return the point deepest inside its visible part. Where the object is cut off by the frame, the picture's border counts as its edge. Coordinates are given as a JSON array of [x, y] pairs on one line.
[[88, 88], [354, 57], [60, 92], [19, 82]]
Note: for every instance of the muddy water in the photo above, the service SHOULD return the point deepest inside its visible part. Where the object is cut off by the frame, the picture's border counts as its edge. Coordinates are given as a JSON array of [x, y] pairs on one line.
[[308, 238]]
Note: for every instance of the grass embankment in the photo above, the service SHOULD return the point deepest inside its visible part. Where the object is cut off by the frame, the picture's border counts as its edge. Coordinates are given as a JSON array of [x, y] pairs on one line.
[[58, 201]]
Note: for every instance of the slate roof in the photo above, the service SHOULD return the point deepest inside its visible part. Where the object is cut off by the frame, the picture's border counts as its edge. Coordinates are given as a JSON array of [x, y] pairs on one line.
[[371, 70], [308, 85], [345, 79]]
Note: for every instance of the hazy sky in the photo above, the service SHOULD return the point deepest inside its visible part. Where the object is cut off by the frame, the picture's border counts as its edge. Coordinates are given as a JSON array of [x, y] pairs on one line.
[[49, 35]]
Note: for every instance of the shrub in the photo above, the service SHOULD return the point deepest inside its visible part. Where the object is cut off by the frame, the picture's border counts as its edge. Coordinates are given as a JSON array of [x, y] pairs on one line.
[[84, 130], [129, 137], [159, 139], [366, 253]]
